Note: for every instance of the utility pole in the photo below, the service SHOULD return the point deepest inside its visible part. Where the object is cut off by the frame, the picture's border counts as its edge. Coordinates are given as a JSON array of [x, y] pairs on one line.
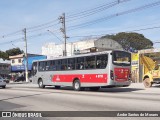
[[26, 57], [63, 30]]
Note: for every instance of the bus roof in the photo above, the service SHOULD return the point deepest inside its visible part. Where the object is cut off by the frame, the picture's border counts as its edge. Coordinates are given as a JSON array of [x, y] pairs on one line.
[[80, 55]]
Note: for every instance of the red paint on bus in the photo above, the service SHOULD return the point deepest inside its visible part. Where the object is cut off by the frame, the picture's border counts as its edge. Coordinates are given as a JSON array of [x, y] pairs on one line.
[[121, 74], [84, 78]]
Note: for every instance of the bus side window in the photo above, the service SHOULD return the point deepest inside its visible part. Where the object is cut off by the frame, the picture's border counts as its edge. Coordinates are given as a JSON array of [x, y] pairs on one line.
[[101, 61], [63, 64], [34, 68], [98, 64], [41, 66], [71, 64], [80, 63], [58, 64], [90, 62], [47, 65], [52, 66]]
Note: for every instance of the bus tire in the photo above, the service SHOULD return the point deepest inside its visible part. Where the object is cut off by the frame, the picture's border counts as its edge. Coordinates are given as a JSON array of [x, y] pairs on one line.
[[3, 86], [147, 83], [94, 88], [57, 87], [77, 85], [40, 83]]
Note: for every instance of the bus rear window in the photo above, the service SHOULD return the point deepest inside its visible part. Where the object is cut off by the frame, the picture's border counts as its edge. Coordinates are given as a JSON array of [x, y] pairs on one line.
[[121, 58]]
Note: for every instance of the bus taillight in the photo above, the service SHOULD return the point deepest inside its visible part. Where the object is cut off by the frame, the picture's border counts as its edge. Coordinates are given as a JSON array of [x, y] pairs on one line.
[[129, 76], [111, 75]]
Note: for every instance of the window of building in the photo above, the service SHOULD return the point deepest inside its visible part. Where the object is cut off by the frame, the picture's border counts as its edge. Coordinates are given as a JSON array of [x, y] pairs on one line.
[[13, 61], [19, 61]]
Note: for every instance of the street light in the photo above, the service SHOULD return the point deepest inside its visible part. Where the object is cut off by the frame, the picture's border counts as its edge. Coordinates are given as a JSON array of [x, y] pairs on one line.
[[55, 35], [64, 51]]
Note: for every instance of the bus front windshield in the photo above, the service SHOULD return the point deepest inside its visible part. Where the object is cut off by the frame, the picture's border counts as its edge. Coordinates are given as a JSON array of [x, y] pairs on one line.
[[121, 58]]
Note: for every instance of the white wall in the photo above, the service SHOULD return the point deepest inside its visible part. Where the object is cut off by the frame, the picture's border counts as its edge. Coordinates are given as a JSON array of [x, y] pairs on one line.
[[16, 62], [52, 50]]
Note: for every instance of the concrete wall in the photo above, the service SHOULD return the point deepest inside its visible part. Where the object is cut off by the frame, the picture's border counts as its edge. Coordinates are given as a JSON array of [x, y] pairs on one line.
[[52, 50], [107, 43], [16, 61]]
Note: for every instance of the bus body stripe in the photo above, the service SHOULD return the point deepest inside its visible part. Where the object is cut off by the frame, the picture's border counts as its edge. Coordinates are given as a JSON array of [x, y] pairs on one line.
[[84, 78]]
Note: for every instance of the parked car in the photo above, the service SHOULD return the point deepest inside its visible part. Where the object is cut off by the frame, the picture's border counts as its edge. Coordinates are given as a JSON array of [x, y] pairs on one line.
[[2, 82], [21, 78], [7, 79]]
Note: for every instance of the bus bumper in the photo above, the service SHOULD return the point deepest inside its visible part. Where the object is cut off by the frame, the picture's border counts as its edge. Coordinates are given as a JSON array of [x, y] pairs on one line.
[[121, 84]]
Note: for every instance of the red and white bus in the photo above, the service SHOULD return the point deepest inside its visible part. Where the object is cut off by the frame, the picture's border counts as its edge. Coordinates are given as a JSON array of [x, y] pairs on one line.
[[93, 70]]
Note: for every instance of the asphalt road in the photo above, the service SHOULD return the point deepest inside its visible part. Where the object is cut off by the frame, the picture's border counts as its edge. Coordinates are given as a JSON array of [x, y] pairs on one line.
[[28, 97]]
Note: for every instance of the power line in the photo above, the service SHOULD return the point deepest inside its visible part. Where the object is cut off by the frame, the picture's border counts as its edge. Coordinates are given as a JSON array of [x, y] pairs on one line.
[[44, 24], [33, 29], [135, 26], [55, 36], [94, 11], [42, 27], [142, 29], [82, 14], [9, 42], [39, 27], [11, 34], [114, 15], [40, 34]]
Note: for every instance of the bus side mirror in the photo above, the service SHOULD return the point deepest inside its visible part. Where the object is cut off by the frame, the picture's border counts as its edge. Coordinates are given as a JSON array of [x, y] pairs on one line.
[[110, 53]]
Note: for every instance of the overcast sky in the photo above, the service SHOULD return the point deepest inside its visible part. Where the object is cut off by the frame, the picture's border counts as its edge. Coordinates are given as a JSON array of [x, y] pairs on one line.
[[38, 16]]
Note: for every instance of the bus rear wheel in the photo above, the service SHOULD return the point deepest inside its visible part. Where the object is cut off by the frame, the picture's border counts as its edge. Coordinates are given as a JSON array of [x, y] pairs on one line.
[[40, 83], [147, 83], [77, 85]]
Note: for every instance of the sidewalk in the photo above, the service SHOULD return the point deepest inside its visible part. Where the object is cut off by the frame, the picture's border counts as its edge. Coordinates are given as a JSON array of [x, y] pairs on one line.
[[21, 84]]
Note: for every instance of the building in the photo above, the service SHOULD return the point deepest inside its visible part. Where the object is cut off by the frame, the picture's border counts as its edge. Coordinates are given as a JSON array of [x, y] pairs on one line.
[[5, 68], [52, 50], [18, 62]]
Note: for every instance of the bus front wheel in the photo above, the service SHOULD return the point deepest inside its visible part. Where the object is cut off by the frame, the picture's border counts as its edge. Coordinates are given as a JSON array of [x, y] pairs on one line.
[[77, 85], [147, 83], [40, 83]]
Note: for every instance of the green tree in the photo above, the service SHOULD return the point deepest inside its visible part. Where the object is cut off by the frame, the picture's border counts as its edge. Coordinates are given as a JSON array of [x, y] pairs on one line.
[[14, 51], [133, 40], [11, 52], [3, 55]]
